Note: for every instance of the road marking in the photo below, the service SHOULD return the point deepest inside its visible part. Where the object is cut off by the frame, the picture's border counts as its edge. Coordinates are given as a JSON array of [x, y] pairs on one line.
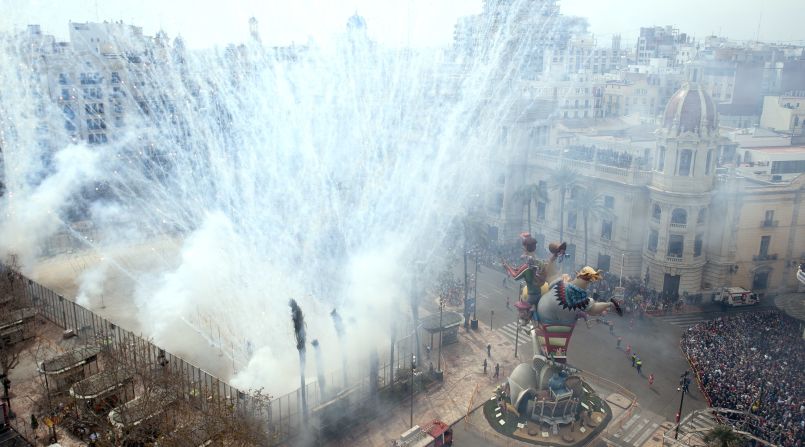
[[636, 431], [646, 434]]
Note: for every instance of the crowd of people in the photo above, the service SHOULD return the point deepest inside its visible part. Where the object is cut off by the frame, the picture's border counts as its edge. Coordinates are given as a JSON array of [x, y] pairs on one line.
[[609, 157], [637, 297], [754, 362]]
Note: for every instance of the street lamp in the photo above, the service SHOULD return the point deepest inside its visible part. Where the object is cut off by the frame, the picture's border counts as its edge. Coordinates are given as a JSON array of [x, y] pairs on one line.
[[413, 369], [441, 311], [684, 382]]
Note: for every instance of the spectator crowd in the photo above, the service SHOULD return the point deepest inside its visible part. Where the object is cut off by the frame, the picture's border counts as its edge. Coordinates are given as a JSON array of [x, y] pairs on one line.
[[754, 362]]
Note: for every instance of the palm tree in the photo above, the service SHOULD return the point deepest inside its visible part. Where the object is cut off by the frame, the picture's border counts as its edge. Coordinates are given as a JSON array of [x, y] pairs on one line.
[[564, 180], [530, 193], [590, 205], [723, 436]]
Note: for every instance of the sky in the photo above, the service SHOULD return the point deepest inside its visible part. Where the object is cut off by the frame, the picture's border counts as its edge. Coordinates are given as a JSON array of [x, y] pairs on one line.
[[204, 23]]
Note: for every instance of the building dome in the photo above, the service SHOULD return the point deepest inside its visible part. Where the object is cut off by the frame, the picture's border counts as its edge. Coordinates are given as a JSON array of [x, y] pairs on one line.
[[356, 22], [690, 109]]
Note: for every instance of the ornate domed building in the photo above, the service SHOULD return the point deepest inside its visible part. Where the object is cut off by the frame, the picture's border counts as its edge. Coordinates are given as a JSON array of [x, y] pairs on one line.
[[679, 192], [662, 214]]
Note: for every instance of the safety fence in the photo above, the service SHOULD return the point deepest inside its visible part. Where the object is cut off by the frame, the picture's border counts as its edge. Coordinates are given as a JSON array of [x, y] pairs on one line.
[[283, 415], [477, 423]]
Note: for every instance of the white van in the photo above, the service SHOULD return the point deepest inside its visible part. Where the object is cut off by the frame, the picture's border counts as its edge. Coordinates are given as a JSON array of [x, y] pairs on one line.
[[736, 296]]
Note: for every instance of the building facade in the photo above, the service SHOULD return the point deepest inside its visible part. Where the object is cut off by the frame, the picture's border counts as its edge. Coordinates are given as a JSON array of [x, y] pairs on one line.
[[665, 210]]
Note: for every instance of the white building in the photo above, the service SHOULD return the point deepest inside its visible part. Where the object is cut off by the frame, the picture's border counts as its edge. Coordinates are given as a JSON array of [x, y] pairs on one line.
[[662, 212]]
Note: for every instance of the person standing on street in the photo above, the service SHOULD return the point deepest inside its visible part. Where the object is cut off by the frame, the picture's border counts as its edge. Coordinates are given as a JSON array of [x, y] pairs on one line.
[[620, 339], [484, 366], [634, 359], [489, 350], [639, 365], [497, 370], [651, 379], [628, 349]]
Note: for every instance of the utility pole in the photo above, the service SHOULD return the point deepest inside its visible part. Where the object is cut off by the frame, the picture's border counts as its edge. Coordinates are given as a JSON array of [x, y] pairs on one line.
[[466, 285], [516, 338]]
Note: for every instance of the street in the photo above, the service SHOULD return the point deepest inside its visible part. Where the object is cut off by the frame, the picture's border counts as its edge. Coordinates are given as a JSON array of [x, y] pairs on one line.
[[594, 349]]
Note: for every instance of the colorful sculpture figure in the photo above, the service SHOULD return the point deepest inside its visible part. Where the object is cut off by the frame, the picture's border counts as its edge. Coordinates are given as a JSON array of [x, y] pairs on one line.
[[561, 306], [533, 271]]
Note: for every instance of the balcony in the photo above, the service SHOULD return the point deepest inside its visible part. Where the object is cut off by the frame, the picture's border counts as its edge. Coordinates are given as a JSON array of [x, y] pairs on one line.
[[674, 258], [765, 257], [679, 226], [769, 223]]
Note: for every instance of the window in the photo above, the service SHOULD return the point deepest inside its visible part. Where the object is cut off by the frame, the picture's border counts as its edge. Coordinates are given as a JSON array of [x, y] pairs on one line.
[[94, 108], [115, 77], [697, 246], [685, 162], [769, 219], [653, 238], [679, 216], [604, 262], [540, 210], [543, 186], [656, 212], [702, 216], [609, 202], [661, 159], [675, 244], [571, 220], [606, 230], [765, 241], [63, 79], [65, 94], [760, 280], [707, 162]]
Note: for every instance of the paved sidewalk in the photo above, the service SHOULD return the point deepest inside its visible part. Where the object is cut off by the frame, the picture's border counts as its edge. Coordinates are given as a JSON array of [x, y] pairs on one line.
[[465, 387]]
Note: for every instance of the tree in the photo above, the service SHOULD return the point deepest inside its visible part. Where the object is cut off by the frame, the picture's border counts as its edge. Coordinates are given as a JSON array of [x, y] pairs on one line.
[[564, 180], [528, 194], [589, 204], [723, 436]]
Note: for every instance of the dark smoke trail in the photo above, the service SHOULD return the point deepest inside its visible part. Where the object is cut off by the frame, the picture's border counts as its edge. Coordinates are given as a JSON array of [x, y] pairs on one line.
[[339, 330], [319, 369], [298, 319]]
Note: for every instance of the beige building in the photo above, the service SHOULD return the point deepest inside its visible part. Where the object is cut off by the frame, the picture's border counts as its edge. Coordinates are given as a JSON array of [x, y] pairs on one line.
[[784, 113], [665, 212]]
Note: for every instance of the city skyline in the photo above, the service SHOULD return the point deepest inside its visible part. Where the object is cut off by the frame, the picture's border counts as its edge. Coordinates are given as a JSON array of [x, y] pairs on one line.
[[417, 22]]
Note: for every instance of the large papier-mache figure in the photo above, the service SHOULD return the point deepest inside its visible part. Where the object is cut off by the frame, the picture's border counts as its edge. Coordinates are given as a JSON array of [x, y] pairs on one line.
[[533, 271]]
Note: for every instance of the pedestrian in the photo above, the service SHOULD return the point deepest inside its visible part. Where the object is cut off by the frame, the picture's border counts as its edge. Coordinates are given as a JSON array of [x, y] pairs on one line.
[[634, 359], [639, 365], [651, 379], [508, 306], [488, 350], [427, 351], [484, 366], [611, 328], [497, 370], [620, 339], [628, 349], [505, 281]]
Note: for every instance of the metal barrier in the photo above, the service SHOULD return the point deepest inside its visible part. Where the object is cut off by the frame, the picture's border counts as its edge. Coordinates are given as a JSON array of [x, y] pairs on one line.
[[283, 414]]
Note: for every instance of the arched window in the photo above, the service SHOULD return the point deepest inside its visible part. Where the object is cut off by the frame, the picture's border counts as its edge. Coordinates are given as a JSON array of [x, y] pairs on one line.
[[656, 212], [679, 216], [702, 216], [708, 161], [685, 162]]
